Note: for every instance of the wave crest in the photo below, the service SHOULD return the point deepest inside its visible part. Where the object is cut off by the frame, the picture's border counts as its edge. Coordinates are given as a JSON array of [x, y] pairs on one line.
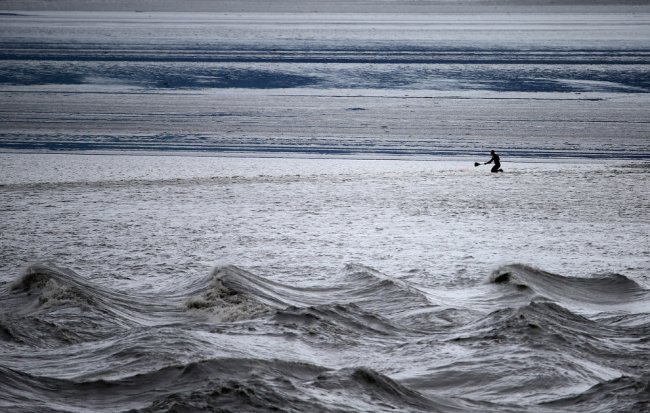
[[603, 290], [224, 303]]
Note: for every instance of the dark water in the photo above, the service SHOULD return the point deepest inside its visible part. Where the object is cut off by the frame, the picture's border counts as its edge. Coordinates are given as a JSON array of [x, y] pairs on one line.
[[235, 341], [380, 65]]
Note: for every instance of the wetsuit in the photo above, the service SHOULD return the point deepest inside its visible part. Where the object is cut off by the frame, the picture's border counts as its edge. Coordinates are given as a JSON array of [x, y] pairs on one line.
[[497, 163]]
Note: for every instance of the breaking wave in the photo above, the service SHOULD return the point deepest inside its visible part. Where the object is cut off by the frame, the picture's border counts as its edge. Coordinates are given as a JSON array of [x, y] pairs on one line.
[[362, 341]]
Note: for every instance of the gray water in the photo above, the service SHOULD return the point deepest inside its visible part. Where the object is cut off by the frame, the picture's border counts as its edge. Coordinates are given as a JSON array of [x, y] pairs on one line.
[[163, 283], [257, 212], [358, 84]]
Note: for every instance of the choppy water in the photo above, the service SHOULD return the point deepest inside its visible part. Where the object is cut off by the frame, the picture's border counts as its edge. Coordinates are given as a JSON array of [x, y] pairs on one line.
[[225, 284], [273, 283], [235, 341]]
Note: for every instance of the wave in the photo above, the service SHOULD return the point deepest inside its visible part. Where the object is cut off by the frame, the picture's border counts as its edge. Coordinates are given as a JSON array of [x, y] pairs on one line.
[[361, 299], [214, 377], [604, 292], [539, 353], [368, 290], [337, 321], [49, 305], [379, 390], [547, 325], [227, 384], [229, 294], [361, 341], [632, 395]]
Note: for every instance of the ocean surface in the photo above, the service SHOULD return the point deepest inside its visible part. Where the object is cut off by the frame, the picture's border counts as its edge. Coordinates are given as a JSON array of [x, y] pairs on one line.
[[361, 84], [256, 212]]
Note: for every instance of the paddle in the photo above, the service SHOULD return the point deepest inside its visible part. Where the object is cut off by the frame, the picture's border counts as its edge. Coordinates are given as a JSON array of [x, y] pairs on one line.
[[477, 163]]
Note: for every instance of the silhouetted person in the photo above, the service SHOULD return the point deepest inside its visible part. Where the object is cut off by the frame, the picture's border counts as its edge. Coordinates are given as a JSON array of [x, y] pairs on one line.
[[497, 163]]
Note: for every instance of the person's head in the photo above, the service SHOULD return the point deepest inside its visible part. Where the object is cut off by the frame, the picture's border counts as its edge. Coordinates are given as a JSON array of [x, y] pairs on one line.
[[492, 151]]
